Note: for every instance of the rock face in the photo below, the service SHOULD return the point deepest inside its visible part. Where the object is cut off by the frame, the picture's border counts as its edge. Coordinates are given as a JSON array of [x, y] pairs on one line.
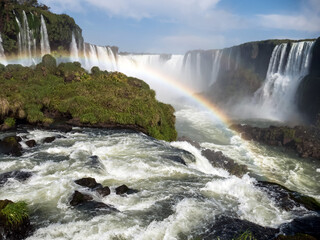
[[304, 140], [11, 146], [308, 97], [13, 229], [217, 159]]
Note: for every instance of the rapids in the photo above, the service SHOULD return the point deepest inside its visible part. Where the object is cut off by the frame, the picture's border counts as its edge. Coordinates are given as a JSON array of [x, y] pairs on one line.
[[174, 201]]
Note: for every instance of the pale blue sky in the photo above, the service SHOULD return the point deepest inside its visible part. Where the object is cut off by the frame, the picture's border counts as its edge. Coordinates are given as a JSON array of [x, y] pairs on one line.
[[175, 26]]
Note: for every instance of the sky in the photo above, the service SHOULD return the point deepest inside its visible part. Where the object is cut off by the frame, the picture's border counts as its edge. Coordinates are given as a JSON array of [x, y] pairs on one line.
[[176, 26]]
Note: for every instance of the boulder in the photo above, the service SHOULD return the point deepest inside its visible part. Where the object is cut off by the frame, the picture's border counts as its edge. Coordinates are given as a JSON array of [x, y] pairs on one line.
[[104, 191], [217, 159], [18, 175], [10, 146], [31, 143], [49, 139], [88, 182], [124, 189], [79, 198]]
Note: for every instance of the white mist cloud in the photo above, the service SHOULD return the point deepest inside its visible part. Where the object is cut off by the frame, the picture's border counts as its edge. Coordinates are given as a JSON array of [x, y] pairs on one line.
[[308, 19]]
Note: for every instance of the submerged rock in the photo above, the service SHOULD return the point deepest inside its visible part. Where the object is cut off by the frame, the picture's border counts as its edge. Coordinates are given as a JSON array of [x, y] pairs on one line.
[[86, 202], [186, 139], [124, 189], [226, 228], [18, 175], [217, 159], [11, 146], [49, 139], [11, 229], [287, 199]]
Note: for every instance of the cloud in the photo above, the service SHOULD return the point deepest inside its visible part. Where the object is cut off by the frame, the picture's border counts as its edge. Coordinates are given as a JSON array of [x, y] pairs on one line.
[[308, 19], [183, 43]]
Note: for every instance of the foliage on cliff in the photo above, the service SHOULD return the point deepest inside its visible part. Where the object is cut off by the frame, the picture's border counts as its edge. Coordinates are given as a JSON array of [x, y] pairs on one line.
[[45, 93], [59, 27]]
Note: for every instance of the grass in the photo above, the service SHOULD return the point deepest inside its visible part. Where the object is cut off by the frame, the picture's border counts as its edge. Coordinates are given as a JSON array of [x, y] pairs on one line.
[[93, 99], [15, 213]]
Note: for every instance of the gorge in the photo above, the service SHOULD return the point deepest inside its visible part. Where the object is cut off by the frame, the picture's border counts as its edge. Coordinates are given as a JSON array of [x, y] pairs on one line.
[[209, 183]]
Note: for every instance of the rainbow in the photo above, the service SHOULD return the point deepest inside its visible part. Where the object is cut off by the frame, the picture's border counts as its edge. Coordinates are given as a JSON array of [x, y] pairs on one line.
[[160, 77]]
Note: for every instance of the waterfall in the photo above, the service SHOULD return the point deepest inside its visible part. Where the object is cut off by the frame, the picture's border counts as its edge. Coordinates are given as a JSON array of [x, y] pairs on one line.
[[45, 45], [2, 55], [26, 42], [287, 67], [74, 52], [216, 56]]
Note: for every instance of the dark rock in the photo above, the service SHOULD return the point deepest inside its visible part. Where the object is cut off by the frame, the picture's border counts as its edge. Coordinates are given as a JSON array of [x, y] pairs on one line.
[[85, 202], [88, 182], [123, 189], [31, 143], [287, 199], [10, 146], [16, 231], [304, 140], [217, 159], [79, 198], [299, 236], [104, 191], [186, 139], [18, 175], [176, 158], [49, 139], [226, 228], [306, 225]]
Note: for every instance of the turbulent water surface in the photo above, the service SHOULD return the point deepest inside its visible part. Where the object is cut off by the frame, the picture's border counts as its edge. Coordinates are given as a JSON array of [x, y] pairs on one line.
[[174, 201]]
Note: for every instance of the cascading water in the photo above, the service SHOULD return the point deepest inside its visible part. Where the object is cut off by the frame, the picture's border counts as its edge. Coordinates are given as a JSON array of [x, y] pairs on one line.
[[2, 55], [44, 43], [26, 42], [74, 53], [287, 67]]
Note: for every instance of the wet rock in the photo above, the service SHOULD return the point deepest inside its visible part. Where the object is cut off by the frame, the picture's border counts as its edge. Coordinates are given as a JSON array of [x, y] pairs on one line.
[[186, 139], [217, 159], [176, 158], [31, 143], [49, 139], [85, 202], [18, 175], [287, 199], [79, 198], [309, 225], [10, 146], [104, 191], [13, 231], [226, 228], [88, 182], [123, 189], [95, 162], [303, 140]]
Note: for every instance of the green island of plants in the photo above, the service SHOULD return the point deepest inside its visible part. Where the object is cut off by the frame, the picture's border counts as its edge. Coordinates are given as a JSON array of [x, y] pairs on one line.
[[47, 93], [13, 214]]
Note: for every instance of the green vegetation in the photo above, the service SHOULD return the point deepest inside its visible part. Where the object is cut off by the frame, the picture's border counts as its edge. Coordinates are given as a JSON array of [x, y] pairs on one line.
[[10, 122], [47, 93], [60, 27], [13, 213], [247, 235]]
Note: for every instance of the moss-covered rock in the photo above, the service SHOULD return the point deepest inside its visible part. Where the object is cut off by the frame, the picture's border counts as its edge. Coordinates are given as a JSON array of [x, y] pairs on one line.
[[67, 92], [14, 220]]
